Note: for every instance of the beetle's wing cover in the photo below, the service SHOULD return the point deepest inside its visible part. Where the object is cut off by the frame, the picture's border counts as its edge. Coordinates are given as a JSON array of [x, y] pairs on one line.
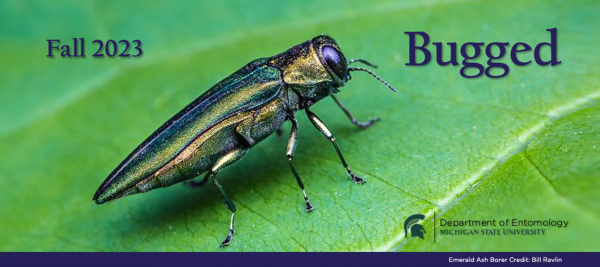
[[252, 86]]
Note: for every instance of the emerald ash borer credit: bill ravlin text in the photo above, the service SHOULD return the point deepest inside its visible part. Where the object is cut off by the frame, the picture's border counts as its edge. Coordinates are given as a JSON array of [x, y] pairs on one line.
[[221, 125]]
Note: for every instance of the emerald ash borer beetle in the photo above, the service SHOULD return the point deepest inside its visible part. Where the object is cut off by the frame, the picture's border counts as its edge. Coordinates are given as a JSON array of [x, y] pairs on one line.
[[220, 126]]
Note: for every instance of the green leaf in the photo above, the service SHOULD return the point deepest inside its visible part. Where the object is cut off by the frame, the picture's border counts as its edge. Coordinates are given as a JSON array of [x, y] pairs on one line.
[[523, 146]]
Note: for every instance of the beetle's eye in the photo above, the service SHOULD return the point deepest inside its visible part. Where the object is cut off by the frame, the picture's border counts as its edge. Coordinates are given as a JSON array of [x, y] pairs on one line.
[[335, 60]]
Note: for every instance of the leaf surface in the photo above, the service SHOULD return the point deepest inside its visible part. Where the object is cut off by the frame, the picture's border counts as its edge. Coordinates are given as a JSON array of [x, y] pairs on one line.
[[523, 146]]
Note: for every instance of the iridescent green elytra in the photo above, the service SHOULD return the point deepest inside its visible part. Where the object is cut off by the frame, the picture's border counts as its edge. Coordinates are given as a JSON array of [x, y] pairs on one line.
[[219, 127]]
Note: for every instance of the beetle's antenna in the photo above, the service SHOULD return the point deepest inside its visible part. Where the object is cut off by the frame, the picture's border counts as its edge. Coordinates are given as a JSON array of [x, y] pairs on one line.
[[374, 76], [354, 60]]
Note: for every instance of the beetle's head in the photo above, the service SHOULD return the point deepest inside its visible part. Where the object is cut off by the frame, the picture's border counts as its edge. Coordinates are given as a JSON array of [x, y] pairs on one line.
[[316, 68], [333, 60]]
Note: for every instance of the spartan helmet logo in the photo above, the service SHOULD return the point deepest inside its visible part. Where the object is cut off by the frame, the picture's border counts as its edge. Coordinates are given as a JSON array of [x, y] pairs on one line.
[[415, 228]]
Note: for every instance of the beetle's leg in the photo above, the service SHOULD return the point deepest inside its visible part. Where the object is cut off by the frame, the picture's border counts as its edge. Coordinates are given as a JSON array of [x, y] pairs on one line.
[[193, 183], [279, 132], [323, 129], [224, 161], [361, 125], [230, 206], [291, 147]]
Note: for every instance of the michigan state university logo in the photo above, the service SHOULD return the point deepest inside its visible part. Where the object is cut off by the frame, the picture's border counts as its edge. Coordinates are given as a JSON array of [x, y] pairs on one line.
[[415, 228]]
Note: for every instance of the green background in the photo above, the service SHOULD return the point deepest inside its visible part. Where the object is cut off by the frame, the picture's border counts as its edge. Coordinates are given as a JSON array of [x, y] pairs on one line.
[[524, 146]]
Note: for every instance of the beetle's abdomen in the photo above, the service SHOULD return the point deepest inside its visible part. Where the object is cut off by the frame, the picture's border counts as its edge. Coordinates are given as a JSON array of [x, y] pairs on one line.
[[199, 156], [244, 94]]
